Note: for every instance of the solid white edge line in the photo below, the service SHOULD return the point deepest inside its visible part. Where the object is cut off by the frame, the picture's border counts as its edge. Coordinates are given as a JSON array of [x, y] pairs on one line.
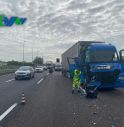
[[39, 81], [10, 80], [7, 111]]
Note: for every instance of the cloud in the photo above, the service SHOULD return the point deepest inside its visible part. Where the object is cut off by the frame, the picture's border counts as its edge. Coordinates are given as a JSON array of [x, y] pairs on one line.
[[55, 25]]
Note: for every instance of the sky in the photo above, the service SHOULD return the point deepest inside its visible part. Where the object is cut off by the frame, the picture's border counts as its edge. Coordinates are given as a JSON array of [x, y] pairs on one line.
[[55, 25]]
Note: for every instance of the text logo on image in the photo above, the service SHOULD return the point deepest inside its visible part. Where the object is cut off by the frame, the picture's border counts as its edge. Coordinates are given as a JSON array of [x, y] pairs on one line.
[[10, 21]]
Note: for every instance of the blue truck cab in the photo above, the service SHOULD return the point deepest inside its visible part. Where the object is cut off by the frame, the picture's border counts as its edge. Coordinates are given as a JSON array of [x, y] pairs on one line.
[[100, 64]]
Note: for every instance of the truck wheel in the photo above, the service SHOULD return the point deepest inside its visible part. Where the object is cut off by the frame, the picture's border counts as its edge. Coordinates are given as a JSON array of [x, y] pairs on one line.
[[92, 95]]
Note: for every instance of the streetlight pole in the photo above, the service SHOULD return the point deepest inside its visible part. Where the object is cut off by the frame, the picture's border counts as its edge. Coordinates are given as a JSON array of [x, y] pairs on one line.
[[32, 54], [37, 56], [23, 52]]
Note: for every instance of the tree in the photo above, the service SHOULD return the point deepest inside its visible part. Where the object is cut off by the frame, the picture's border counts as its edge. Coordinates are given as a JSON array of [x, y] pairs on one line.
[[38, 61], [14, 63]]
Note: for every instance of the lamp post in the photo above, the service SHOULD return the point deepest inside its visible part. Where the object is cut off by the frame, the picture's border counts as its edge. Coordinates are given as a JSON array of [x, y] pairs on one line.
[[32, 55], [23, 52], [37, 56]]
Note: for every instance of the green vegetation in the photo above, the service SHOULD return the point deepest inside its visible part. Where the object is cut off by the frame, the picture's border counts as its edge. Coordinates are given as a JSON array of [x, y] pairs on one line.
[[6, 69], [38, 61]]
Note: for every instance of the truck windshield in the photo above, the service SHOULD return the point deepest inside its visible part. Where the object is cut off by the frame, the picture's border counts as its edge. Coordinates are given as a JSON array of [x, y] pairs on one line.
[[103, 56]]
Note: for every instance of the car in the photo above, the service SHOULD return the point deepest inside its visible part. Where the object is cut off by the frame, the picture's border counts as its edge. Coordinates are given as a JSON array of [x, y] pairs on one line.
[[24, 72], [39, 69], [45, 67]]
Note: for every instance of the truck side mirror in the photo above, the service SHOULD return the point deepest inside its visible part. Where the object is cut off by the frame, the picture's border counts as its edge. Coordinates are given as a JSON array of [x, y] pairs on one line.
[[121, 53]]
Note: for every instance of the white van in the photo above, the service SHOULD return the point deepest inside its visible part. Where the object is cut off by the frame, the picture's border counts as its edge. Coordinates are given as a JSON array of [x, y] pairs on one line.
[[58, 67]]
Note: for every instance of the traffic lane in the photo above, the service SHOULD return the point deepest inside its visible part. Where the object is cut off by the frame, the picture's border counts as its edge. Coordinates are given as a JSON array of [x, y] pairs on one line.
[[112, 102], [11, 92], [52, 104], [106, 111], [11, 79], [6, 77], [49, 105]]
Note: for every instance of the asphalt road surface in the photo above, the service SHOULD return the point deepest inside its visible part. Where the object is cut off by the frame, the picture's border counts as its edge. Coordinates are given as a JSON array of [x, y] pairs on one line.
[[49, 103]]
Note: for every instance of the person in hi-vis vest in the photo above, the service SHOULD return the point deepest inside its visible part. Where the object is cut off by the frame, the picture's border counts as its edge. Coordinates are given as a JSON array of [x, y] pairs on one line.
[[76, 80]]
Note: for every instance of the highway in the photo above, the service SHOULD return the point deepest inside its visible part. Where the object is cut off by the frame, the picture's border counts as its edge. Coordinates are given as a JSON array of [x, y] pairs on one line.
[[50, 103]]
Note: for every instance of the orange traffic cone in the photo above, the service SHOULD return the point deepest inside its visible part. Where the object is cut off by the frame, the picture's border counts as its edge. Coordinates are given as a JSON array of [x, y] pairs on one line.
[[23, 101]]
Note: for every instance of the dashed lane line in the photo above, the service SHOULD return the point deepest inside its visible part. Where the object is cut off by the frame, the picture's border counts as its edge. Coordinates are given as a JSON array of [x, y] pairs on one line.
[[10, 80], [7, 111], [39, 81]]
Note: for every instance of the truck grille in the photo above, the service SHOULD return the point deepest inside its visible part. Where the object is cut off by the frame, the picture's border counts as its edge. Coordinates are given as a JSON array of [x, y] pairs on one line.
[[107, 77]]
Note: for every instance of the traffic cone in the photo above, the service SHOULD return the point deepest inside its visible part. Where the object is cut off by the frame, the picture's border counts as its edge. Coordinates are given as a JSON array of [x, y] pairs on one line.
[[23, 101]]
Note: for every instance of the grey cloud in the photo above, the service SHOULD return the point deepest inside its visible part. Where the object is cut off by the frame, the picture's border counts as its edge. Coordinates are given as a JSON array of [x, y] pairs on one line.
[[57, 24], [61, 46]]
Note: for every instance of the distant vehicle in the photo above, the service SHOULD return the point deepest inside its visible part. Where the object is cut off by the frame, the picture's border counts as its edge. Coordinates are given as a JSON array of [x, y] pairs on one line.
[[24, 72], [39, 69], [58, 67], [51, 70], [57, 60], [49, 64], [45, 67]]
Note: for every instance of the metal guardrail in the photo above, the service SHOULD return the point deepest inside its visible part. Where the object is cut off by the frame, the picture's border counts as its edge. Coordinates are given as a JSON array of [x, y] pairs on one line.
[[7, 69]]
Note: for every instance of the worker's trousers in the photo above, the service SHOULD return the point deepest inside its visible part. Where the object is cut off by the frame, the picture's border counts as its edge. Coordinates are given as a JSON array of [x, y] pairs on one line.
[[76, 83]]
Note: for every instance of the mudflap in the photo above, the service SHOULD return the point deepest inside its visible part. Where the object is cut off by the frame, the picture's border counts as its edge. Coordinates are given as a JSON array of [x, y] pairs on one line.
[[92, 90]]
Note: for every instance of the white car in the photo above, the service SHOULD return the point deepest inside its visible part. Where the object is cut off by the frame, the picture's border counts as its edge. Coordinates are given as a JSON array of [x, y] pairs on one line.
[[24, 72], [39, 69]]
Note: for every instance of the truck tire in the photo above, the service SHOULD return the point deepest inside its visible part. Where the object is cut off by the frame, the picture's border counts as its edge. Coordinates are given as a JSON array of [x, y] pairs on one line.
[[91, 95]]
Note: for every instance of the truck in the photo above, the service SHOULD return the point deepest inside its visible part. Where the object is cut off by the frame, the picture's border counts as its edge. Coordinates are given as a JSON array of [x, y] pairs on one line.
[[58, 66], [49, 64], [101, 65], [57, 60]]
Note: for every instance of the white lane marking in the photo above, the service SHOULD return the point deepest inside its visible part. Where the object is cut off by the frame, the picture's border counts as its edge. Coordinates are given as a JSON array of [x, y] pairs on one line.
[[39, 81], [7, 111], [10, 80], [47, 73], [6, 75]]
